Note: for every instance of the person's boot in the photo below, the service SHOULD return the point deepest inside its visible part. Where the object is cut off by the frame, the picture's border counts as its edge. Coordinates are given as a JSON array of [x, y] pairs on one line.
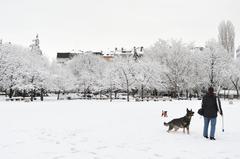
[[212, 138], [206, 137]]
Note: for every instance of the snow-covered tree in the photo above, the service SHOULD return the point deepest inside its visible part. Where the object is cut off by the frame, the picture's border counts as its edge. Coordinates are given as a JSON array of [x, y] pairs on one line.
[[89, 72], [21, 69], [158, 52], [149, 74], [196, 78], [226, 36], [124, 73], [178, 63], [234, 75], [62, 78], [216, 62]]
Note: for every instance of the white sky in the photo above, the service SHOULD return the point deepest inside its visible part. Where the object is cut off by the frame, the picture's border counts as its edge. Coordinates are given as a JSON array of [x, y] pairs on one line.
[[64, 25]]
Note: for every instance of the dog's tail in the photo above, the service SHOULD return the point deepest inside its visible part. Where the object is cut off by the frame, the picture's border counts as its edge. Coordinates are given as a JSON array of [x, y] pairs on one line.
[[166, 124]]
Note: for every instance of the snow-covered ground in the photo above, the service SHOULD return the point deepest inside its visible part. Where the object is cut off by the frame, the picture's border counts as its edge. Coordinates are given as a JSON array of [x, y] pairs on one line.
[[118, 130]]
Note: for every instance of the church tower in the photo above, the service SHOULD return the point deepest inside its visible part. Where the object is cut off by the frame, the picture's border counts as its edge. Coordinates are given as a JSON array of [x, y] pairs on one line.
[[35, 47]]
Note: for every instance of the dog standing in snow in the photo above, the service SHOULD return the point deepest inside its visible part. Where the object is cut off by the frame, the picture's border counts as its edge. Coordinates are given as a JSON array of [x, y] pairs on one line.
[[183, 122]]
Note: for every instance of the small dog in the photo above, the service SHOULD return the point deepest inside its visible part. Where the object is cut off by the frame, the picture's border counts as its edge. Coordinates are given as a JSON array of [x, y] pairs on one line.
[[183, 122], [164, 113]]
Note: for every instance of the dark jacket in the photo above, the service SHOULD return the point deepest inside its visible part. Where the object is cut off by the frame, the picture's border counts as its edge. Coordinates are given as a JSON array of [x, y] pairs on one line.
[[211, 105]]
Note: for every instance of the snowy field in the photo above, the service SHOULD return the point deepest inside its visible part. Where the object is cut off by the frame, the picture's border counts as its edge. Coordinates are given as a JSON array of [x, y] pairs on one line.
[[117, 130]]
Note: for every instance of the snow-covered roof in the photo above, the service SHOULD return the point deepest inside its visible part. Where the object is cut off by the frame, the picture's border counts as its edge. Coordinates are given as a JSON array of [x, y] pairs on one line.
[[66, 55], [105, 54], [77, 51], [229, 92]]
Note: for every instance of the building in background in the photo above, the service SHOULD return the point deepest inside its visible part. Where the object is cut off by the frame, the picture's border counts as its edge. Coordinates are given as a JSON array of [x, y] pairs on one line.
[[35, 47], [63, 57], [136, 52], [197, 49]]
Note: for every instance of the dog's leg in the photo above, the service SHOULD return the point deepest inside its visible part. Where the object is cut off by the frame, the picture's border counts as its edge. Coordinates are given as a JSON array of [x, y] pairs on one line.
[[184, 130], [170, 128], [176, 128], [187, 130]]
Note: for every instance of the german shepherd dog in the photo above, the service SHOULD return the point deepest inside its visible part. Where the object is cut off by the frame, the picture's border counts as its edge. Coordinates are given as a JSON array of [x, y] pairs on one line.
[[183, 122]]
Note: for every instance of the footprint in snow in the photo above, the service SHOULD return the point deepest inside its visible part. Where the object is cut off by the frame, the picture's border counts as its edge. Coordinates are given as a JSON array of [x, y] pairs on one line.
[[84, 139], [5, 146], [57, 142], [157, 155], [19, 142], [93, 153], [73, 150], [58, 157], [102, 147], [123, 145], [185, 151], [145, 149]]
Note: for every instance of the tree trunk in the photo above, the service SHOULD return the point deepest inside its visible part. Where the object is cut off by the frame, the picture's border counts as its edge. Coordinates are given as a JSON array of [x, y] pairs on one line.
[[127, 84], [212, 73], [237, 93], [127, 94], [58, 95], [34, 94], [31, 95], [235, 84], [127, 91], [85, 94], [100, 94], [24, 93], [6, 94], [11, 93], [42, 94], [110, 93], [142, 92], [224, 94]]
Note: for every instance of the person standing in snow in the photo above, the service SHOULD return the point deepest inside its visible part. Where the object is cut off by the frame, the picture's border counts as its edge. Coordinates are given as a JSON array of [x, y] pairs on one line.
[[210, 105]]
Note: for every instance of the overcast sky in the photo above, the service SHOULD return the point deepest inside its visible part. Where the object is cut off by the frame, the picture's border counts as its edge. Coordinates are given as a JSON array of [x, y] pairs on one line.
[[64, 25]]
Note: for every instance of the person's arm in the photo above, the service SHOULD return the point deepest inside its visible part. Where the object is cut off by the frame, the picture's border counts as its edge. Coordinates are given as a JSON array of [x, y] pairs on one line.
[[219, 106], [203, 102]]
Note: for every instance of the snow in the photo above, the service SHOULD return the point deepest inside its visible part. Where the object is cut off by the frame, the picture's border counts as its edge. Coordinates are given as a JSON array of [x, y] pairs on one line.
[[83, 129]]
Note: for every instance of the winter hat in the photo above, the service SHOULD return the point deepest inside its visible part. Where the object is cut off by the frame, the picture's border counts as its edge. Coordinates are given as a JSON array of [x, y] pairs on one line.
[[210, 90]]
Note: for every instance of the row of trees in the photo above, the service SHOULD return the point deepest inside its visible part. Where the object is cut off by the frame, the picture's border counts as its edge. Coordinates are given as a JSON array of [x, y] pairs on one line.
[[26, 73], [167, 66]]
